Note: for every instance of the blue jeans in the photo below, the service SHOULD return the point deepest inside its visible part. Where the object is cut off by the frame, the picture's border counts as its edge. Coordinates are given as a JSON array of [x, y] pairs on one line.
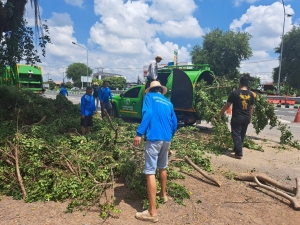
[[156, 156], [238, 131]]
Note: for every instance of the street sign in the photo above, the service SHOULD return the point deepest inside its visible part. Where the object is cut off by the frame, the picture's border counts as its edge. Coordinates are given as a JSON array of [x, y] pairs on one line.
[[175, 57], [86, 79]]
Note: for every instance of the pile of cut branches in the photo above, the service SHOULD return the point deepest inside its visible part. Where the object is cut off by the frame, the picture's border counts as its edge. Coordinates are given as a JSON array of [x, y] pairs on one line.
[[44, 158]]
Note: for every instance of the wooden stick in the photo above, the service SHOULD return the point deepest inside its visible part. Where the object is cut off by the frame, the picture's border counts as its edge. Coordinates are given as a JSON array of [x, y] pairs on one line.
[[20, 179], [202, 172]]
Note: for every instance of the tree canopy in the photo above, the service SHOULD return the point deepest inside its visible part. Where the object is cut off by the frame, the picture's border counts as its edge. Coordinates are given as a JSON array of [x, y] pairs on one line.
[[76, 70], [18, 45], [13, 10], [17, 40], [290, 66], [116, 82], [223, 51]]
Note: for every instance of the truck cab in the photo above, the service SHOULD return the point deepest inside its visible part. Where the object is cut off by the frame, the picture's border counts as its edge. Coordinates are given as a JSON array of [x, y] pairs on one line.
[[180, 82]]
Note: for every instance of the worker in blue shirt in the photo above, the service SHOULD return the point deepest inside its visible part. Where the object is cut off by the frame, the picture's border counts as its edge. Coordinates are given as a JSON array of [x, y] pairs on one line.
[[104, 95], [87, 110], [159, 123], [63, 90]]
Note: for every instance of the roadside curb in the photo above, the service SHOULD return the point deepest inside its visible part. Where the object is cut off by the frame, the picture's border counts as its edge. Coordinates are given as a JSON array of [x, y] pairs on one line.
[[288, 106]]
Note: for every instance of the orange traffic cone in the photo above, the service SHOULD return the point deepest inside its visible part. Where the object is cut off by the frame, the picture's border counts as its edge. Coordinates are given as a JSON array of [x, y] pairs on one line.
[[229, 110], [297, 117]]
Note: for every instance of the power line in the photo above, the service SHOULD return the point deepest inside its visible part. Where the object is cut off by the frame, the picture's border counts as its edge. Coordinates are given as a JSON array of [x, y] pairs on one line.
[[268, 60]]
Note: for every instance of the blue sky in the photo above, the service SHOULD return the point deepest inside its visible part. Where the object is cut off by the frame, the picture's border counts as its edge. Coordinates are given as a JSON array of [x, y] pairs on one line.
[[123, 36]]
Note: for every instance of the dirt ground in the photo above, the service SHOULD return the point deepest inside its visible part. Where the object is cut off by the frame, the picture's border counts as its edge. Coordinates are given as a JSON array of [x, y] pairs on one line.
[[235, 202]]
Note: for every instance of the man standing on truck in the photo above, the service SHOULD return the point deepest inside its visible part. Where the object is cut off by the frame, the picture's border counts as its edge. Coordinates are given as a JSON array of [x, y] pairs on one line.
[[87, 109], [153, 70], [242, 101], [104, 96], [159, 123]]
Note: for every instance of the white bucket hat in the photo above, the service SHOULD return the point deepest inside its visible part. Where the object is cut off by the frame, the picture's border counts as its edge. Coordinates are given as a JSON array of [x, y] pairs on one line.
[[156, 84]]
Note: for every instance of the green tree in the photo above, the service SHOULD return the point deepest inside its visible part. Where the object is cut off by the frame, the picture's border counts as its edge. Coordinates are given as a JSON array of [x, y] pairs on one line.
[[18, 45], [68, 85], [116, 82], [223, 51], [51, 84], [99, 82], [75, 71], [17, 40], [12, 11], [290, 66]]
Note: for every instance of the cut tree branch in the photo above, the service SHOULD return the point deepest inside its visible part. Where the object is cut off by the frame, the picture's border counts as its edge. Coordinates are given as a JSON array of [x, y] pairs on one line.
[[264, 178], [294, 200], [202, 172], [112, 126]]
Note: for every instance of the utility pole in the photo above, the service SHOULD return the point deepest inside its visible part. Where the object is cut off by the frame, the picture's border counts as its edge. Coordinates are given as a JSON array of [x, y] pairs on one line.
[[101, 72], [63, 77]]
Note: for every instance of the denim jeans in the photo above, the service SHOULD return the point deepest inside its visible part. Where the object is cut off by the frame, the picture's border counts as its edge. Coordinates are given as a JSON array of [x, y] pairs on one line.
[[156, 156], [238, 131]]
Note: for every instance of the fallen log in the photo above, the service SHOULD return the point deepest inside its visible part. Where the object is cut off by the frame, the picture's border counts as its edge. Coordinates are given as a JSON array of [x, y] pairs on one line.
[[265, 179], [295, 201], [202, 172]]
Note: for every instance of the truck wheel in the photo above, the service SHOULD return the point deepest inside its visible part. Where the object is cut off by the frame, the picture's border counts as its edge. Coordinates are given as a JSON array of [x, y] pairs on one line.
[[189, 122], [114, 111]]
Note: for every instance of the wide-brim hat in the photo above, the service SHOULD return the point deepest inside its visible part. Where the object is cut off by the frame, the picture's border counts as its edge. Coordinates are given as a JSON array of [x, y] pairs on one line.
[[156, 84], [159, 57]]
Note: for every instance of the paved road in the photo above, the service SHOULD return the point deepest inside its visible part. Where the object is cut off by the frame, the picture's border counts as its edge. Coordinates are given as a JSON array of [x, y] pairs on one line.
[[75, 98], [286, 116]]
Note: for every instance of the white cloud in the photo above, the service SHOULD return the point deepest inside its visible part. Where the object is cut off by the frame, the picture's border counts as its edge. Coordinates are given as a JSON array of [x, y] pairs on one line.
[[128, 31], [260, 65], [165, 10], [75, 2], [265, 24], [189, 26], [128, 35], [239, 2]]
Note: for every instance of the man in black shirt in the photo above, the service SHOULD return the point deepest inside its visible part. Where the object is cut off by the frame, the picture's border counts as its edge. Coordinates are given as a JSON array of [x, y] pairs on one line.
[[242, 108]]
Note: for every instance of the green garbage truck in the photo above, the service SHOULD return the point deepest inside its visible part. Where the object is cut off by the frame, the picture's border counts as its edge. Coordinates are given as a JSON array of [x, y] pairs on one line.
[[180, 82], [23, 76]]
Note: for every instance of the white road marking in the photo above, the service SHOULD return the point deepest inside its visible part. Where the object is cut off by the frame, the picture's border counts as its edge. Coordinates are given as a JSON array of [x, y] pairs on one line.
[[284, 121]]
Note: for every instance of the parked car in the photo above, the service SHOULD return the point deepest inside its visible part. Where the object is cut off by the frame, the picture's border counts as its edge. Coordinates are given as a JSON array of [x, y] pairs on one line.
[[75, 89]]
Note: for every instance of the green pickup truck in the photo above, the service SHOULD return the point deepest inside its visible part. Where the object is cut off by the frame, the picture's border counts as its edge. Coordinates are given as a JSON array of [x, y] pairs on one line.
[[180, 82]]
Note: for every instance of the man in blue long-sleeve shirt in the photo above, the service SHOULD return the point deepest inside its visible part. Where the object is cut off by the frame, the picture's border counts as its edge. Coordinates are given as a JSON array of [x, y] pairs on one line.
[[63, 90], [104, 95], [159, 123], [87, 110]]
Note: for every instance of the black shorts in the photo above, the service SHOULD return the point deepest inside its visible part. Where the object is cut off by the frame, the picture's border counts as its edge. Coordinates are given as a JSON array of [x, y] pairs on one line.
[[87, 121]]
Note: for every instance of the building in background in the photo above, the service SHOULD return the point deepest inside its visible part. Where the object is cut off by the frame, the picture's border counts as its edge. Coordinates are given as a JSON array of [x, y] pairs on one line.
[[102, 75]]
